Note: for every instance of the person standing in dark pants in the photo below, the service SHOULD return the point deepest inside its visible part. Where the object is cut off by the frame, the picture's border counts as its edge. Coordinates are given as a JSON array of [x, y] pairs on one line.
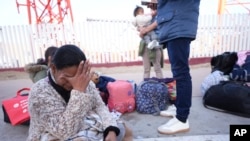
[[177, 22]]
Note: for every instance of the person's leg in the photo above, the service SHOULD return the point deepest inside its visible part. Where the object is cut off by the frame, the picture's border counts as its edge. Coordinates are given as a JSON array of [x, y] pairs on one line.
[[153, 40], [153, 36], [146, 63], [178, 52], [147, 39], [157, 64]]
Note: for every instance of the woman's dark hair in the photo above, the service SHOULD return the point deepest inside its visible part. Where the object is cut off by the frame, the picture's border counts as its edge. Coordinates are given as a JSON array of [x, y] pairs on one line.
[[136, 10], [50, 51], [41, 61], [68, 56]]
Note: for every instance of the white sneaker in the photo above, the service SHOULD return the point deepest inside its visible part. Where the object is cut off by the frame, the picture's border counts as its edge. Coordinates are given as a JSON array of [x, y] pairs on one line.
[[173, 126], [152, 44], [170, 112], [158, 45]]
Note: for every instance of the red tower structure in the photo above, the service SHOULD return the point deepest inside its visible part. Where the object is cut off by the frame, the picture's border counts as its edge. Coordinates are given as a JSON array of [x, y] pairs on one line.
[[47, 11], [224, 5]]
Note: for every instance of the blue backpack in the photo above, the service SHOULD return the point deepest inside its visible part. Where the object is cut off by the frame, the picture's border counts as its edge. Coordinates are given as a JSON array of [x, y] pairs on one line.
[[151, 97], [241, 73]]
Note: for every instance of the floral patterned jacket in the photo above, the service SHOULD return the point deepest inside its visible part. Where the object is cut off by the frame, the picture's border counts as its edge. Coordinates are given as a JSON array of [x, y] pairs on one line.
[[84, 117]]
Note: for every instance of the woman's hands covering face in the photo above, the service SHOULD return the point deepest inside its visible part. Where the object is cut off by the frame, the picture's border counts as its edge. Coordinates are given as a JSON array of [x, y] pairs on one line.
[[82, 77]]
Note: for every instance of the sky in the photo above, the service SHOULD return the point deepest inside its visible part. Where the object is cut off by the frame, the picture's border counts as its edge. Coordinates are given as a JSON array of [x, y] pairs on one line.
[[104, 9]]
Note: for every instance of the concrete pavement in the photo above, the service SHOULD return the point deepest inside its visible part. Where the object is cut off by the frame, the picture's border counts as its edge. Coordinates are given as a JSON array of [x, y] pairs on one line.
[[205, 124]]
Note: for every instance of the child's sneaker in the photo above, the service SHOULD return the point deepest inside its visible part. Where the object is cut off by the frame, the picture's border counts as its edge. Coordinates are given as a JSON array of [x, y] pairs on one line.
[[158, 45], [152, 44]]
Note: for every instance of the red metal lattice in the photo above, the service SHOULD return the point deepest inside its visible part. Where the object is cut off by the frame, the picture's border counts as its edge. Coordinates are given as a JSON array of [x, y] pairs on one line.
[[224, 5], [47, 11]]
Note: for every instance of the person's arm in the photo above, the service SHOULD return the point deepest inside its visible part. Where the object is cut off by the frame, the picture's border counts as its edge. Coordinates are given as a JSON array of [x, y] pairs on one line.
[[147, 29], [111, 136], [101, 109], [60, 120]]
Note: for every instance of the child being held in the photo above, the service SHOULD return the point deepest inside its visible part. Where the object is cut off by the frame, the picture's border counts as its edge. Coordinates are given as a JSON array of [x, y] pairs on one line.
[[143, 20]]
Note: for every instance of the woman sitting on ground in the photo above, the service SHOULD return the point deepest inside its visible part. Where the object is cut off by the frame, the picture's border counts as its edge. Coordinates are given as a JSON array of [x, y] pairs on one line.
[[39, 69], [67, 106]]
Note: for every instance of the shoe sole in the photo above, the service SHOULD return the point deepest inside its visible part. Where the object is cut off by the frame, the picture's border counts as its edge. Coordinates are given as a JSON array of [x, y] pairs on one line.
[[168, 115], [170, 133]]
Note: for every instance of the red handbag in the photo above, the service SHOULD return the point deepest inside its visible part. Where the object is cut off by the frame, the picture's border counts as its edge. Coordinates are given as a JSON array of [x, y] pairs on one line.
[[16, 109]]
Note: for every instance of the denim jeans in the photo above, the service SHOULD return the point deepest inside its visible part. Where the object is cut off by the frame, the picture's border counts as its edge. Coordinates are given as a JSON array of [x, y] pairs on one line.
[[178, 53]]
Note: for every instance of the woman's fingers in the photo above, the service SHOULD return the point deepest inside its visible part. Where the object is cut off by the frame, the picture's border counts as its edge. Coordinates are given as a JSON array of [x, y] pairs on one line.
[[86, 68], [80, 68], [89, 74], [83, 69]]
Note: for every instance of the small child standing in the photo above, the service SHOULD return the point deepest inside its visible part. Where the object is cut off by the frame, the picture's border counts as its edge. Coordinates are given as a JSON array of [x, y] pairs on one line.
[[143, 20]]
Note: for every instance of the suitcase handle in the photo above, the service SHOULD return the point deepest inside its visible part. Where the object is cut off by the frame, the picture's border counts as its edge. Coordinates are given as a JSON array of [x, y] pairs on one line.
[[19, 92]]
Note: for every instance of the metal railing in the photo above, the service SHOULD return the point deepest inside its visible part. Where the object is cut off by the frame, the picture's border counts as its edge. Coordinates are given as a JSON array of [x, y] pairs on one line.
[[114, 41]]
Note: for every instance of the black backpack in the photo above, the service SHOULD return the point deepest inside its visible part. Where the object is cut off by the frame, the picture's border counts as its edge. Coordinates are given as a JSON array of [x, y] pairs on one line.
[[229, 96], [224, 62]]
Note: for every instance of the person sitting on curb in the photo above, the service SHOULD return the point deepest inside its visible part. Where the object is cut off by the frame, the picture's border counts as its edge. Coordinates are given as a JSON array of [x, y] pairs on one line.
[[67, 106]]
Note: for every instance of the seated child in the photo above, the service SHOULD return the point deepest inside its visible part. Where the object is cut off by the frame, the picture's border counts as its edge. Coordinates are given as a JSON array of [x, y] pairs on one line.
[[101, 84]]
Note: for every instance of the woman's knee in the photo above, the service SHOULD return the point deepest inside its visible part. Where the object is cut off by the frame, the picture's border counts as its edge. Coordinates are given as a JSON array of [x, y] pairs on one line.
[[125, 133]]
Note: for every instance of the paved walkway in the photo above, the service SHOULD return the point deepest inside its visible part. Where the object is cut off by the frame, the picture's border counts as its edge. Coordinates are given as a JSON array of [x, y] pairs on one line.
[[205, 124]]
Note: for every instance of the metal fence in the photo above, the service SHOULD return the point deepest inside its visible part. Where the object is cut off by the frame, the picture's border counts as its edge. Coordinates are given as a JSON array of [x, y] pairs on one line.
[[116, 41]]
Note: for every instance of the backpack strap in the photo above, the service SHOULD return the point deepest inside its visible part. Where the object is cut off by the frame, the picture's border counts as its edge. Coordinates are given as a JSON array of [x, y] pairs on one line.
[[155, 101]]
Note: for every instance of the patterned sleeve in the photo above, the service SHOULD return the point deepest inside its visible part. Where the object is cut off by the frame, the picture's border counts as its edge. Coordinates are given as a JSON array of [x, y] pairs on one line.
[[59, 119], [100, 108]]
